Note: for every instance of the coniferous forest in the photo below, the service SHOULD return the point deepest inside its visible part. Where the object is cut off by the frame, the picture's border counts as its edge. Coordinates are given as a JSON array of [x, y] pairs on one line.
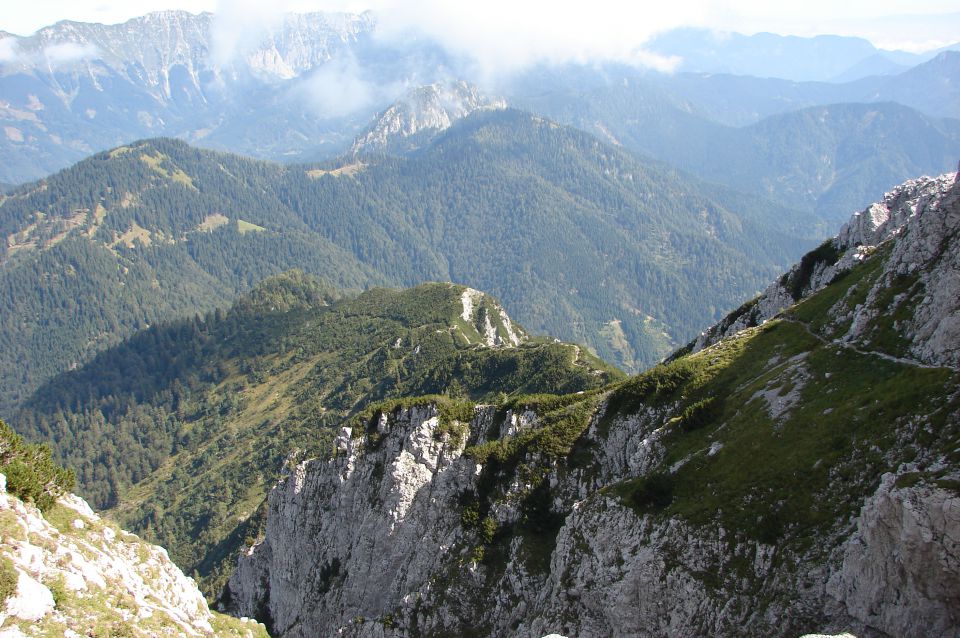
[[578, 239]]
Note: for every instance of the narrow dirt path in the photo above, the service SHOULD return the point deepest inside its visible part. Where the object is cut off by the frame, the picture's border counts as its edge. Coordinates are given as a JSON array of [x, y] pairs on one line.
[[873, 353]]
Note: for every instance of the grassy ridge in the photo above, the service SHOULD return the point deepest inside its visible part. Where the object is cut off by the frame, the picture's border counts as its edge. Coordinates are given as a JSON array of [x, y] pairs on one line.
[[182, 430]]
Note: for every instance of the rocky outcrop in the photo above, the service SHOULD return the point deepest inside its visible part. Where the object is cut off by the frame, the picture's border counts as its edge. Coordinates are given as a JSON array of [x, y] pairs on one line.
[[375, 542], [914, 232], [360, 534], [490, 320], [832, 503], [423, 111], [71, 573], [901, 568]]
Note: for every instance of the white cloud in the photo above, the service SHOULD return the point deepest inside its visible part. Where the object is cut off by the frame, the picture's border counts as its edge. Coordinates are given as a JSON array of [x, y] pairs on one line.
[[240, 26], [338, 88], [9, 51], [505, 35], [65, 53]]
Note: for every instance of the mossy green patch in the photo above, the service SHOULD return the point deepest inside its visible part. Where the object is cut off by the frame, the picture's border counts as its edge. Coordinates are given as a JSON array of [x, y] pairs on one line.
[[244, 227], [813, 466], [61, 517], [8, 579], [10, 527]]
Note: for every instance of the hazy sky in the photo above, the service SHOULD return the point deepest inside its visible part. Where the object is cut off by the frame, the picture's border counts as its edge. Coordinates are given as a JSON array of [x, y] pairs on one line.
[[502, 30]]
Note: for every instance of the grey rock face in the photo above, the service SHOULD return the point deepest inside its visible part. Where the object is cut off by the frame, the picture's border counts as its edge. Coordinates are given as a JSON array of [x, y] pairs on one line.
[[918, 222], [901, 568], [146, 50], [380, 539], [431, 108], [273, 89], [84, 573], [372, 543], [360, 534]]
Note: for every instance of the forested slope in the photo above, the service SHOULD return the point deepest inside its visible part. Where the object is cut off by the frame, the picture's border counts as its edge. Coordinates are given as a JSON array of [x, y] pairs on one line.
[[578, 238], [181, 429], [127, 238]]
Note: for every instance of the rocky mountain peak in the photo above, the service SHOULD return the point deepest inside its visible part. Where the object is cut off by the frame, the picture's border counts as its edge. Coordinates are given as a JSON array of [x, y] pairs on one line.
[[147, 48], [426, 109], [911, 236], [485, 315]]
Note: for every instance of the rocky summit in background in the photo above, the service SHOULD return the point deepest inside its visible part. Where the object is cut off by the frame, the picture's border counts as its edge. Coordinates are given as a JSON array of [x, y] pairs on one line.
[[796, 473], [74, 88], [303, 87], [420, 113]]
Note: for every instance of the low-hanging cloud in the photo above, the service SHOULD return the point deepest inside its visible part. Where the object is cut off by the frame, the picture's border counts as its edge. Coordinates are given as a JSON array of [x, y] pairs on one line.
[[65, 53], [503, 35], [241, 26], [9, 51], [341, 87], [52, 56], [337, 88], [497, 36]]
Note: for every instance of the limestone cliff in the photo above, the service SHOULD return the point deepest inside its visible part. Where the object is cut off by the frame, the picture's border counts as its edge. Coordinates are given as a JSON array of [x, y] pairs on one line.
[[422, 112], [793, 477], [377, 542], [70, 573], [921, 266]]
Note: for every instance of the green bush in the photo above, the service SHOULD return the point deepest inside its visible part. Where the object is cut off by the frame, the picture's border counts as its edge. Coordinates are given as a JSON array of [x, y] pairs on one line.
[[654, 492], [31, 473], [826, 253], [488, 529], [656, 386], [8, 579], [701, 414]]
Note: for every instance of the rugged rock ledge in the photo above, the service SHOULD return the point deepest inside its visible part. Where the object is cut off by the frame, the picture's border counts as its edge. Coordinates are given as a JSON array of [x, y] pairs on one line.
[[924, 216], [70, 573], [373, 543], [824, 442]]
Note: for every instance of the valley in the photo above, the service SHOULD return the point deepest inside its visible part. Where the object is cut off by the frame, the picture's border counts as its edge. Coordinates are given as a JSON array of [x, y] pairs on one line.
[[357, 324]]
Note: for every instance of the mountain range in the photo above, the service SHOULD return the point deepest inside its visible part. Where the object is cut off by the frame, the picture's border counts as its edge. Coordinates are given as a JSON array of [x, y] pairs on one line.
[[816, 147], [287, 356], [793, 471], [312, 86], [823, 58], [797, 458], [536, 213]]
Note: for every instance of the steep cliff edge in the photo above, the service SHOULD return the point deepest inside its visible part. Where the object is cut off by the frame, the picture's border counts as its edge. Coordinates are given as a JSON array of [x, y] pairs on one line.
[[793, 477], [67, 572], [917, 283], [402, 534]]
